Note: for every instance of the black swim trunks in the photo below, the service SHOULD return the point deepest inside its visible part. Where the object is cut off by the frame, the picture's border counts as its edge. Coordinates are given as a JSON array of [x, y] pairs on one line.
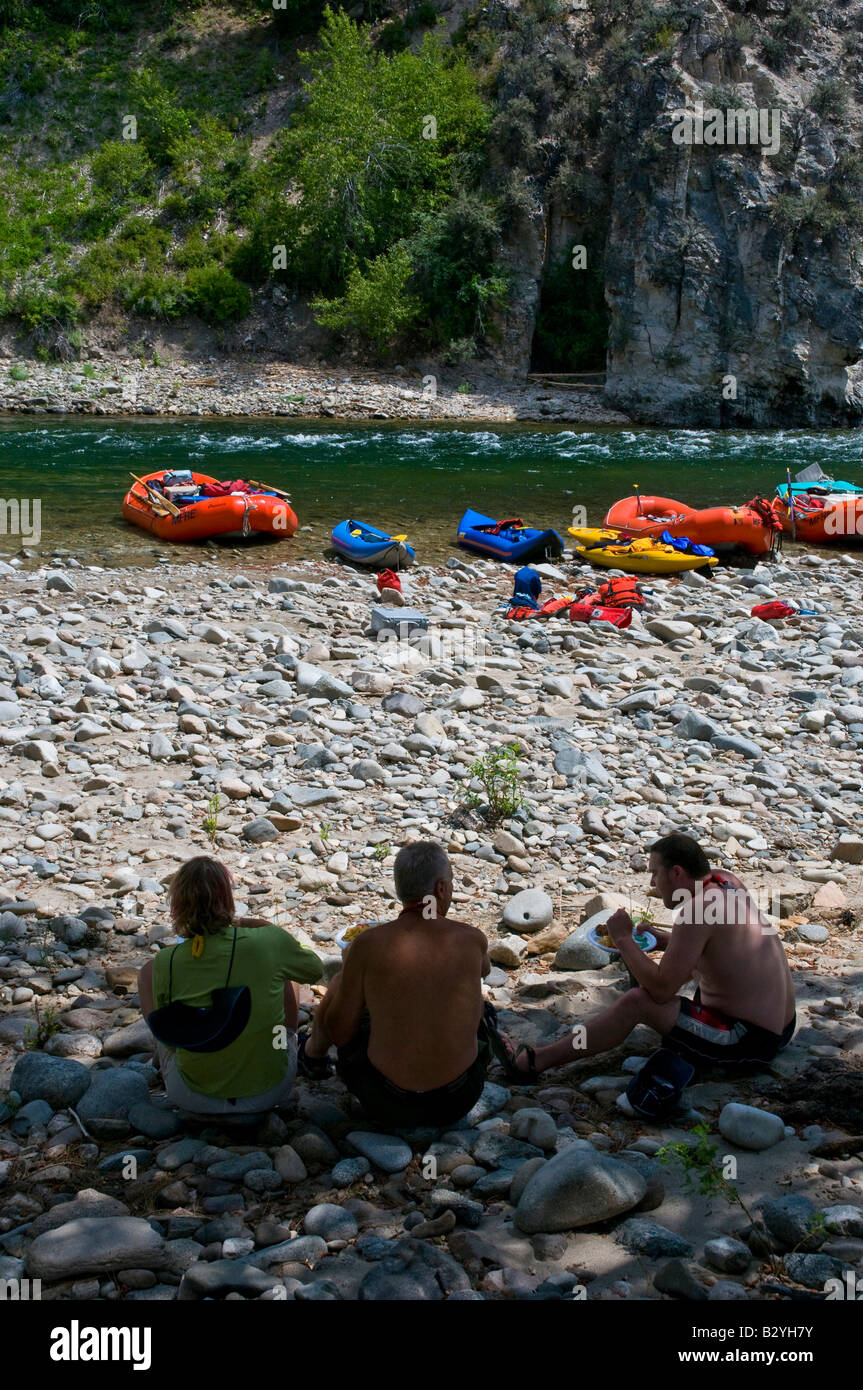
[[392, 1105], [708, 1035]]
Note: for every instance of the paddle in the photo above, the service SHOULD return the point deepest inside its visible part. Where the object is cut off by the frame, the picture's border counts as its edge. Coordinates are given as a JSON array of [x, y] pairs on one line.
[[791, 506], [268, 487], [156, 499]]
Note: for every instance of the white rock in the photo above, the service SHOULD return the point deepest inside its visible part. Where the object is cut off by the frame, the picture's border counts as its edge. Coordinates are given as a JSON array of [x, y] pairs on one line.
[[750, 1128], [528, 911]]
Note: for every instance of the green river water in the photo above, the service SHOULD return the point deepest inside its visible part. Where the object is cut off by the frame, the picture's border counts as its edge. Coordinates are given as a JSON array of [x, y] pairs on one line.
[[404, 478]]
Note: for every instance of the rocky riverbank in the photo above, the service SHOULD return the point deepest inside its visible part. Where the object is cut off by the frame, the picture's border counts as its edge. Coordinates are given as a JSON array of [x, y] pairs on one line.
[[227, 388], [259, 718]]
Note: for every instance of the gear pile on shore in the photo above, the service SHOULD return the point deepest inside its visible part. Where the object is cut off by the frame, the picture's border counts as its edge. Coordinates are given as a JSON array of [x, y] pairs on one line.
[[263, 720]]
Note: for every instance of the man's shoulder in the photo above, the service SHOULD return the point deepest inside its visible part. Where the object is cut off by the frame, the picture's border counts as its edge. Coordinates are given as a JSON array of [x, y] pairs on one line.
[[465, 931]]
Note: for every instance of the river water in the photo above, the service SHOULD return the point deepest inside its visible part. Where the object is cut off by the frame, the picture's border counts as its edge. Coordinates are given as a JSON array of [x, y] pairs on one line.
[[411, 479]]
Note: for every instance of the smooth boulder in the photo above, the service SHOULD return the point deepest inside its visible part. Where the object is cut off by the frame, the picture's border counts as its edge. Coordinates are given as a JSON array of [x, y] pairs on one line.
[[578, 1187]]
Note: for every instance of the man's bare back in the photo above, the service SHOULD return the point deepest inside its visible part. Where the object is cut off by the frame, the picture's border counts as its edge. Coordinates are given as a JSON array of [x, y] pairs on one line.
[[421, 982], [743, 970]]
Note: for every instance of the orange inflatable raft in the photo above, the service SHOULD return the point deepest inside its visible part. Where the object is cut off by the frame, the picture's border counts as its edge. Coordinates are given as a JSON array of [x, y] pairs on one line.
[[192, 515], [753, 527], [821, 519]]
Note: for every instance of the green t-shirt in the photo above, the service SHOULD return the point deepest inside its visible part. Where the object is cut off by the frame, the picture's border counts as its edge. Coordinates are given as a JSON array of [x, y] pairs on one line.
[[265, 958]]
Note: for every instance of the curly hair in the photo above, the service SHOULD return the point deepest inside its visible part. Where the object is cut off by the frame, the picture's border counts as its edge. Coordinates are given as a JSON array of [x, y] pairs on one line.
[[201, 897]]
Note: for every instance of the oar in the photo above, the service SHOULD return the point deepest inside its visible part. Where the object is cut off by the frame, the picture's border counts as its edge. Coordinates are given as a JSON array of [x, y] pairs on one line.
[[156, 497], [791, 506], [268, 487]]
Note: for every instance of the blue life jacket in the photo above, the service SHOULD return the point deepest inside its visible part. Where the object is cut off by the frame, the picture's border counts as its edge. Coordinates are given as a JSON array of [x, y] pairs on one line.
[[527, 586]]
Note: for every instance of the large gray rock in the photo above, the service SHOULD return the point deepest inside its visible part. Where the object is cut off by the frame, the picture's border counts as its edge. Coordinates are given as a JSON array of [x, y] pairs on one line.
[[577, 953], [302, 1250], [311, 680], [736, 743], [330, 1222], [643, 1237], [112, 1094], [697, 726], [848, 849], [681, 1279], [728, 1255], [260, 831], [86, 1203], [217, 1278], [585, 767], [126, 1041], [403, 703], [578, 1187], [750, 1128], [12, 928], [793, 1221], [535, 1127], [528, 911], [69, 929], [669, 628], [383, 1150], [416, 1272], [96, 1245], [58, 1080], [813, 1271]]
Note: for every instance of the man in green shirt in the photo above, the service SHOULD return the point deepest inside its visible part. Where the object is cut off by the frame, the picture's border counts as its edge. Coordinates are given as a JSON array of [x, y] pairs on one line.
[[257, 1071]]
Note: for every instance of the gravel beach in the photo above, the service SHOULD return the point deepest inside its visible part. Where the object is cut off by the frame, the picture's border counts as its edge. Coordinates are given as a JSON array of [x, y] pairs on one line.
[[232, 389], [132, 708]]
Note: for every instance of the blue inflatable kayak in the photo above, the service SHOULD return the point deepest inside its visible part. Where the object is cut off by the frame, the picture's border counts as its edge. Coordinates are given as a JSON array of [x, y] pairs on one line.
[[366, 545], [507, 540]]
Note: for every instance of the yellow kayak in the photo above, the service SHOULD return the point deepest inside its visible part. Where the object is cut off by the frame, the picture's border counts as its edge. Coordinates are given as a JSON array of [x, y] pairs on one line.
[[641, 555]]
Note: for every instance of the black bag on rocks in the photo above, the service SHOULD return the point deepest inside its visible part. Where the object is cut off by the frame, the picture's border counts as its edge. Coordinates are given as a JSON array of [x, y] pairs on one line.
[[656, 1090]]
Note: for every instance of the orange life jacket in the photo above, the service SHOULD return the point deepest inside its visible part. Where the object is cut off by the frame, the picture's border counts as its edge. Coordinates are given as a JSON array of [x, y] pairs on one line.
[[620, 593]]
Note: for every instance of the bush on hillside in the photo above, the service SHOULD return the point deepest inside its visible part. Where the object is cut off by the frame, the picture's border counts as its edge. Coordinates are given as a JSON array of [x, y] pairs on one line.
[[216, 295], [377, 305], [121, 167]]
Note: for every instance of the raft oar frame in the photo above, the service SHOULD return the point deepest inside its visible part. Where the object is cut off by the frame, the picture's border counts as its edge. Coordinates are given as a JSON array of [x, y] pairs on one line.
[[268, 487], [156, 499]]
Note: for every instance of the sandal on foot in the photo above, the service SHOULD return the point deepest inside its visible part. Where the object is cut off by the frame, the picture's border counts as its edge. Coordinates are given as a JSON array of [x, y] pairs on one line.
[[315, 1068], [507, 1056], [530, 1073]]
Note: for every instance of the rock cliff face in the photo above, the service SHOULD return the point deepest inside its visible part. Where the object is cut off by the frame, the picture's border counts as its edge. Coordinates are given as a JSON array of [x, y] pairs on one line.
[[733, 271]]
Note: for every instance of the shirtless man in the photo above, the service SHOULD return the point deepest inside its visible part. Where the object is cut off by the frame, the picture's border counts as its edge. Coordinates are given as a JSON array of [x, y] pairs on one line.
[[743, 1009], [406, 1012]]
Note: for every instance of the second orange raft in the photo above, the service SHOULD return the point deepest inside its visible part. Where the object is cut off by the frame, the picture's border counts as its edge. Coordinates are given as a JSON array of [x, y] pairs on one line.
[[752, 528]]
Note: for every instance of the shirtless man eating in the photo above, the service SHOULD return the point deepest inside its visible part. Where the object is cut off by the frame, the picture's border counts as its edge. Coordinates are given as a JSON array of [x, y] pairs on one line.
[[743, 1008], [406, 1012]]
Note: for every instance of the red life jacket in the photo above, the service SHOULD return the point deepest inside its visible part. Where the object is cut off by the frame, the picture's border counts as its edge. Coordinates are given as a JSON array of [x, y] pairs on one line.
[[765, 511], [514, 521], [620, 593]]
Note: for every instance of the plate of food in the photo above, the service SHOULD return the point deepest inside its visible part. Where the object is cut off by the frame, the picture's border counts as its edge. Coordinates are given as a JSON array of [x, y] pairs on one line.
[[597, 934], [349, 934]]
